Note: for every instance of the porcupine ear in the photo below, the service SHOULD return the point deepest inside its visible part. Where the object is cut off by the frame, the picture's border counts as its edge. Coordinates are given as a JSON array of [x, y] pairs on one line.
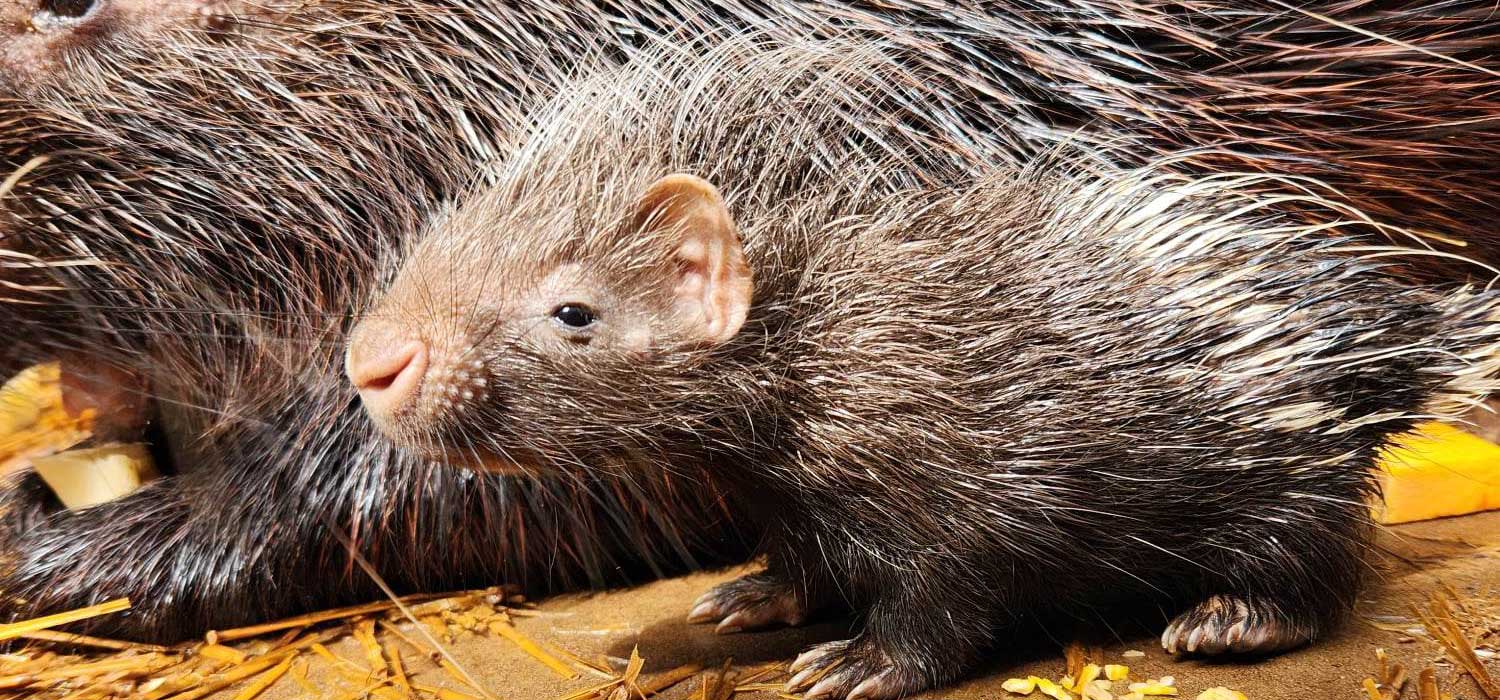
[[713, 283]]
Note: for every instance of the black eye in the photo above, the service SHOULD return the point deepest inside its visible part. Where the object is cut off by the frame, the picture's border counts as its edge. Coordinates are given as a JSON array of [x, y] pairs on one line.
[[574, 315]]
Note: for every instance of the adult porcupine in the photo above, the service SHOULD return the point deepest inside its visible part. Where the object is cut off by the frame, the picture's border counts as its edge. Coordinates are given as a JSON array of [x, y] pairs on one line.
[[173, 125], [952, 408], [1394, 103]]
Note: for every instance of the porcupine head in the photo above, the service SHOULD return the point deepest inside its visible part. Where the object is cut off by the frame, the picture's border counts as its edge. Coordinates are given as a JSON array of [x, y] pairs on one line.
[[568, 335]]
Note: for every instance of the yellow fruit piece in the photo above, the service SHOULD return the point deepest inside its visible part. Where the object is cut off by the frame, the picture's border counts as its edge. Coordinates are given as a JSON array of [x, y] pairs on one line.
[[1098, 690], [27, 395], [1089, 674], [1052, 690], [1438, 471], [1221, 693], [32, 419], [1116, 672], [83, 478], [36, 430], [1155, 688], [1020, 686]]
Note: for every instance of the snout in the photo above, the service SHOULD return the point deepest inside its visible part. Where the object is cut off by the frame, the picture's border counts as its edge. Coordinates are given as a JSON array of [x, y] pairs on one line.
[[388, 367], [421, 383]]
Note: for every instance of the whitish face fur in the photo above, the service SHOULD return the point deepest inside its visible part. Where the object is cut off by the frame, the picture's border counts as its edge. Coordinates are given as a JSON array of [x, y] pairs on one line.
[[520, 332]]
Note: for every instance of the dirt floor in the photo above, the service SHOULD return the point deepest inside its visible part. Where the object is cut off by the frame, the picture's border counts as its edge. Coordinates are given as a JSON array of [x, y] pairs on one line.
[[1459, 554]]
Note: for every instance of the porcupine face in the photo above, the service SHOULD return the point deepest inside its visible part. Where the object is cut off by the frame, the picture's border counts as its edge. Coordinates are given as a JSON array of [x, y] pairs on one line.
[[549, 331]]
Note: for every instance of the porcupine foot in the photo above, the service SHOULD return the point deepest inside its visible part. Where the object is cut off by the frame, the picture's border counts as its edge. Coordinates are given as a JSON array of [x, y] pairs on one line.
[[752, 602], [1226, 624], [854, 669]]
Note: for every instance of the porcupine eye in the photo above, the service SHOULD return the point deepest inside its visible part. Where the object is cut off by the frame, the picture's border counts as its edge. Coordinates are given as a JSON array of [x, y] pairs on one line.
[[574, 316], [68, 9]]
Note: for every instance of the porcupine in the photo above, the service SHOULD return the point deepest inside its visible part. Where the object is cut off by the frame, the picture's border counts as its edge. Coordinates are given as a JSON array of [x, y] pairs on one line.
[[1393, 103], [127, 87], [937, 399]]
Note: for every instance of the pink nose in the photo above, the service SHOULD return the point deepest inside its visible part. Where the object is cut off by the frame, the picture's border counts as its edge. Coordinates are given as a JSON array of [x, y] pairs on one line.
[[386, 368]]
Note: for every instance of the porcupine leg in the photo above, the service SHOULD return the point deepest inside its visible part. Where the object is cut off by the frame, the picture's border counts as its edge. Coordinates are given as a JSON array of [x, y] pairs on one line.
[[785, 593], [56, 560], [206, 549], [1279, 586]]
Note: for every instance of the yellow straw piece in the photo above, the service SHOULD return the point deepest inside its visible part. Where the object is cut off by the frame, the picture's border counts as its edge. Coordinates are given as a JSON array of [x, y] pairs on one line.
[[444, 693], [84, 640], [219, 652], [265, 680], [508, 631], [398, 670], [16, 629]]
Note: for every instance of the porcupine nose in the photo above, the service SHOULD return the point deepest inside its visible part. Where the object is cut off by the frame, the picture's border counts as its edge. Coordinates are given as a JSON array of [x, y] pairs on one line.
[[387, 367]]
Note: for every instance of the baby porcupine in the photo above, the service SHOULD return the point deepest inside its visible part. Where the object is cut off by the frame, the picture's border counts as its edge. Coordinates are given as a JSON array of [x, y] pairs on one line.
[[936, 393]]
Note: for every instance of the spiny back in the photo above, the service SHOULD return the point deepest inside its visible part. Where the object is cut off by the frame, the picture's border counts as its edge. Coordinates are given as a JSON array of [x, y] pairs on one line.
[[768, 119], [807, 130], [1313, 90]]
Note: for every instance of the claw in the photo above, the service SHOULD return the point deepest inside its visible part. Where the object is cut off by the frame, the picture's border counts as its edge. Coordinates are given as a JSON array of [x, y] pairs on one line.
[[1227, 624], [1194, 640], [824, 689], [809, 657], [703, 610], [750, 602], [731, 625], [803, 679], [877, 687]]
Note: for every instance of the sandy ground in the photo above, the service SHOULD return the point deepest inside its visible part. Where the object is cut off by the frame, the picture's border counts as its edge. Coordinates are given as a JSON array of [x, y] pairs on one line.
[[1461, 553]]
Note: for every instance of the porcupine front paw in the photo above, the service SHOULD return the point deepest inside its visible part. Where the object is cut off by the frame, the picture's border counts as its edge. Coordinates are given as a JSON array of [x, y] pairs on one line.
[[53, 560], [751, 602], [1226, 624], [854, 669]]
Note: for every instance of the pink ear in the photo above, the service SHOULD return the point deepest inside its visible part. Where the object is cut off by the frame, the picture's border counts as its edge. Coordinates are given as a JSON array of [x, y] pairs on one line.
[[714, 285]]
